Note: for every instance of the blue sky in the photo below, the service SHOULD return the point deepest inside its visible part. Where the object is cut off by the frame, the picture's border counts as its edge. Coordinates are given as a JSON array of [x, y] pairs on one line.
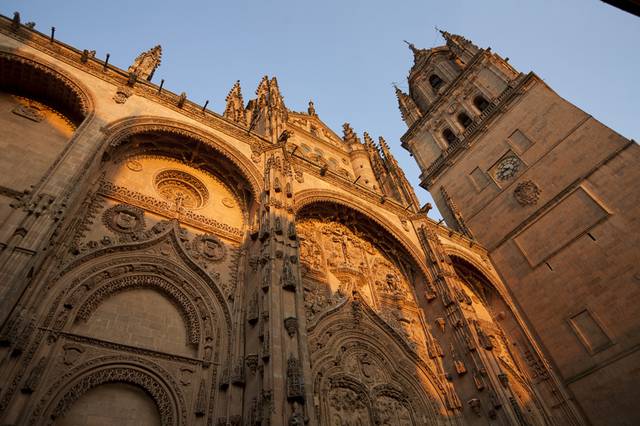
[[344, 55]]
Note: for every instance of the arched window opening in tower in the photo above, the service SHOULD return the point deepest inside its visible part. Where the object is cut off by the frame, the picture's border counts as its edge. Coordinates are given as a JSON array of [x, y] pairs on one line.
[[481, 103], [464, 120], [449, 136], [435, 81]]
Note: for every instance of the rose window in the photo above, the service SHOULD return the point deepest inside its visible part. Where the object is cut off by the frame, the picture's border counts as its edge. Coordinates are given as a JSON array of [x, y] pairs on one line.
[[181, 188]]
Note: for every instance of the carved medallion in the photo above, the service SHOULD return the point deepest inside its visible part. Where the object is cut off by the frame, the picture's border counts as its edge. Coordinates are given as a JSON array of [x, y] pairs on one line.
[[228, 202], [29, 111], [209, 247], [124, 219], [186, 375], [71, 354], [181, 189], [122, 94], [508, 167], [134, 166], [527, 193]]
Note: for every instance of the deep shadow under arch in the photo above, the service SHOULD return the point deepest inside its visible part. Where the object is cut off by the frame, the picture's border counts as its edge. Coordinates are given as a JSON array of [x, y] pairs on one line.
[[193, 146], [30, 78]]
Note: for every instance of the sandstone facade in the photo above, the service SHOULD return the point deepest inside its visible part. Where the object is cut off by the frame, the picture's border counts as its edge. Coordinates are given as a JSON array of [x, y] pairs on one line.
[[551, 193], [165, 264]]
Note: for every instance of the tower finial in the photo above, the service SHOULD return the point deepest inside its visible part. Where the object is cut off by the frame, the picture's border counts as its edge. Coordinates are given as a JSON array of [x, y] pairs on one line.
[[412, 47]]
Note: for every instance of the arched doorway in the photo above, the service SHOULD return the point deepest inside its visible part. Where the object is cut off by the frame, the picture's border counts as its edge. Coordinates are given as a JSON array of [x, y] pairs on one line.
[[362, 318]]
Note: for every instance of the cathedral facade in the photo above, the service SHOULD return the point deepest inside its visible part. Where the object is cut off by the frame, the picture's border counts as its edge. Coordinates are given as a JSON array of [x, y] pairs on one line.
[[165, 264]]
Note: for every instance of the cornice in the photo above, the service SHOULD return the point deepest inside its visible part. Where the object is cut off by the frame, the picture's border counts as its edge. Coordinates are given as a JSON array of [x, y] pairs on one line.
[[119, 78]]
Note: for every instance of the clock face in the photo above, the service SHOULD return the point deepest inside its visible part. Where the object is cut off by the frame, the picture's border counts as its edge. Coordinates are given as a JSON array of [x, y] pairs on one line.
[[507, 168]]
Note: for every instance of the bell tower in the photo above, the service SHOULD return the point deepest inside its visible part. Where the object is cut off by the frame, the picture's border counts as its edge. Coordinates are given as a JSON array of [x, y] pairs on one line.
[[551, 193]]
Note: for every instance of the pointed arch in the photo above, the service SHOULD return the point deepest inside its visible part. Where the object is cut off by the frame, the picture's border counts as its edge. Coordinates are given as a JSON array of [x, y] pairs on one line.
[[108, 270], [110, 288], [355, 348]]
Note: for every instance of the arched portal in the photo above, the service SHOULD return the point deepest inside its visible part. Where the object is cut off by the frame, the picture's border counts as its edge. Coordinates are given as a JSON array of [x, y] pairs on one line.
[[359, 292]]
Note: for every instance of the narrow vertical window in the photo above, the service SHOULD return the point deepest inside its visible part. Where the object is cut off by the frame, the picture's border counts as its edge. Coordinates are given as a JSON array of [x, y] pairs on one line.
[[435, 81], [480, 102], [464, 120], [448, 136]]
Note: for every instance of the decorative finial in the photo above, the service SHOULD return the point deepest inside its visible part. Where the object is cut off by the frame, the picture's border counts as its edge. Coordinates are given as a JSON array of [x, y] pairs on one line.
[[349, 135], [412, 47], [146, 63]]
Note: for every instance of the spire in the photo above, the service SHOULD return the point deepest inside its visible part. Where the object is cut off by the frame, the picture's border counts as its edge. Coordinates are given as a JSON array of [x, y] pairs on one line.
[[235, 105], [386, 151], [403, 186], [349, 135], [146, 63], [417, 53], [408, 108], [375, 158], [463, 48], [268, 113]]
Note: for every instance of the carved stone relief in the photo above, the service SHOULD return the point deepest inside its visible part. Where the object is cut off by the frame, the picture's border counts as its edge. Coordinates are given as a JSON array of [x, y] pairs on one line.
[[527, 193], [181, 188], [30, 112], [124, 219]]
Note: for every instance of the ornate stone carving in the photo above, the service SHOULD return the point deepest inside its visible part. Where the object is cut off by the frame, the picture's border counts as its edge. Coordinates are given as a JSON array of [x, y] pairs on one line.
[[295, 381], [527, 193], [185, 376], [188, 309], [251, 362], [71, 354], [146, 63], [122, 94], [34, 377], [476, 406], [201, 400], [288, 280], [181, 189], [265, 347], [348, 407], [30, 112], [166, 209], [252, 309], [291, 325], [209, 247], [237, 373], [156, 390], [124, 219]]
